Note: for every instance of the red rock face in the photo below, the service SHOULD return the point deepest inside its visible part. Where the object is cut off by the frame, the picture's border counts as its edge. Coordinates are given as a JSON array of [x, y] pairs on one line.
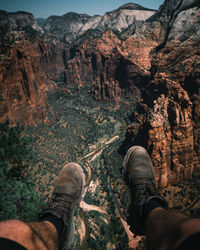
[[170, 138], [53, 56], [105, 64], [177, 147], [23, 84], [171, 129], [29, 61]]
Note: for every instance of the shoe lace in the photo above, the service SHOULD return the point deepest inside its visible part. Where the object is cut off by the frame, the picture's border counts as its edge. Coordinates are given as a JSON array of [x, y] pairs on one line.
[[144, 187], [62, 203]]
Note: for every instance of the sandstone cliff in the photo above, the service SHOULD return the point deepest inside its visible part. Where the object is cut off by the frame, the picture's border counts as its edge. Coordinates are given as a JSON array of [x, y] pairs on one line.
[[23, 84], [53, 56], [171, 128], [29, 61], [102, 63]]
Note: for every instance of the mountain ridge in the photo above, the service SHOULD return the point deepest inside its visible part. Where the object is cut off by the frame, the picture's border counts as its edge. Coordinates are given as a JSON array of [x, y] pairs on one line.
[[71, 25], [134, 6]]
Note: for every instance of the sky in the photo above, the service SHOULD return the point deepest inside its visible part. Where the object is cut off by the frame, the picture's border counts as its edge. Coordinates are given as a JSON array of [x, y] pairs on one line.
[[46, 8]]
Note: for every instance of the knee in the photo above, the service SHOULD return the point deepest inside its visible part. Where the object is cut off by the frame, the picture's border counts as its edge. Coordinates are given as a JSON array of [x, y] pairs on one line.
[[14, 230]]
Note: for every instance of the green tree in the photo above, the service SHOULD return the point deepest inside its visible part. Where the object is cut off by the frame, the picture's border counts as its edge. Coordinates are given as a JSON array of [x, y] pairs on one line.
[[18, 197]]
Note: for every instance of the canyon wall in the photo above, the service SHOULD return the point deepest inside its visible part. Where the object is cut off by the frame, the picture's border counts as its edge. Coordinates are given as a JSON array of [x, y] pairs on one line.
[[33, 57], [104, 64], [22, 81], [115, 64], [170, 130], [28, 64]]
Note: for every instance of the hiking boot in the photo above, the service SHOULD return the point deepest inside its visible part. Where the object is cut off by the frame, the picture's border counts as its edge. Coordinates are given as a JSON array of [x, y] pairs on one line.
[[67, 194], [139, 176]]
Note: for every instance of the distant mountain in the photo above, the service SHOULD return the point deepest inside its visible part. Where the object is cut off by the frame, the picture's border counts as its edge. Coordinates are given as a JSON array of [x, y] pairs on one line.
[[133, 6], [71, 25], [66, 26], [18, 20]]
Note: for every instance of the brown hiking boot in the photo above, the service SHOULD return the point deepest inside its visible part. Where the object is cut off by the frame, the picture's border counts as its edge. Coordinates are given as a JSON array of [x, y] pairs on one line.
[[67, 194], [139, 176]]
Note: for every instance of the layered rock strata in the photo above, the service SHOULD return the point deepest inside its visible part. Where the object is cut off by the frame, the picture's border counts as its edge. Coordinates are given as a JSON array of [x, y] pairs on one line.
[[53, 57]]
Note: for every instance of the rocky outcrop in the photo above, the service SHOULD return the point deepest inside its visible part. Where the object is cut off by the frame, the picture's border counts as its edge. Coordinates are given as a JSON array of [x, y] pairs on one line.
[[72, 25], [171, 128], [168, 135], [23, 84], [29, 61]]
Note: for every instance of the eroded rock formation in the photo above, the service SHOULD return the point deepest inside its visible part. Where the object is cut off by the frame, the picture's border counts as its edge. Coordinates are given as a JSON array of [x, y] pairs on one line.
[[22, 84], [28, 64], [171, 129]]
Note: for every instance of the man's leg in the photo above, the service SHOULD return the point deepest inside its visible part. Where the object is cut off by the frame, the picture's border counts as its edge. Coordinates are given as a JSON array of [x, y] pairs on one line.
[[168, 229], [148, 211], [35, 235], [55, 227]]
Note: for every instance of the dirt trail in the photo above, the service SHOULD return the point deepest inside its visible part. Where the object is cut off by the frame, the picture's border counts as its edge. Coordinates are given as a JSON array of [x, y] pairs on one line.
[[88, 207], [82, 230], [133, 242], [97, 151]]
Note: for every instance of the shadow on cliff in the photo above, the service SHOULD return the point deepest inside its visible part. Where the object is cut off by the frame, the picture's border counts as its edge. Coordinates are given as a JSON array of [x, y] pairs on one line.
[[139, 137]]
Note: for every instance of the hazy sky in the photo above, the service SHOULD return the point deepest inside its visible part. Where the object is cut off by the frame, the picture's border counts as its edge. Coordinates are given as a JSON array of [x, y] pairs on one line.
[[46, 8]]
